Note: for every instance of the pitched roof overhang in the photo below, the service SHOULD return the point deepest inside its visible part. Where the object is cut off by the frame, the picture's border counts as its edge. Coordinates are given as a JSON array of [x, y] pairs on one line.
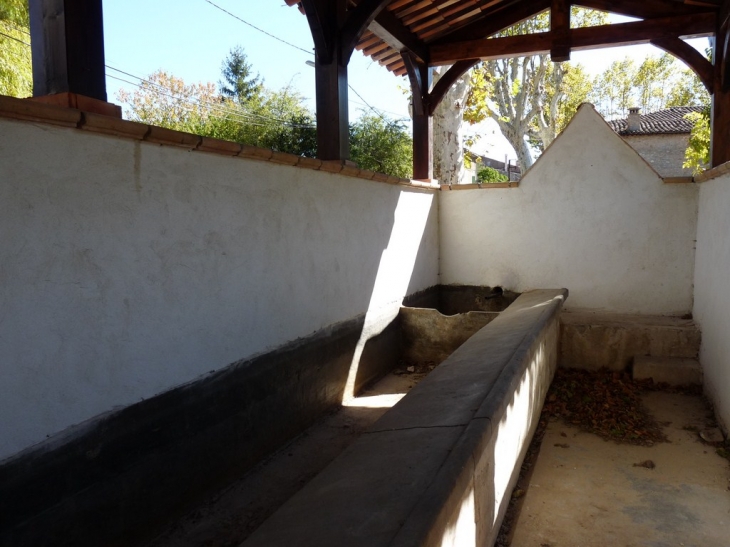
[[440, 32]]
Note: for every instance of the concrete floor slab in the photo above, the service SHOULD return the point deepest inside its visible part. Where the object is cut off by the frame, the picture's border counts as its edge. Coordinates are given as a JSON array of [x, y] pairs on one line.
[[229, 517], [587, 492]]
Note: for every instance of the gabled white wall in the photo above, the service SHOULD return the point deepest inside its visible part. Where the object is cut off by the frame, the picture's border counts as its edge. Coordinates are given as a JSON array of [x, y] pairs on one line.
[[712, 291], [590, 215], [128, 268]]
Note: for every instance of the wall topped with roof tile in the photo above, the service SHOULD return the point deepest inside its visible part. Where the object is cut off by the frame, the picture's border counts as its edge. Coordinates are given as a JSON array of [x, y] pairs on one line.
[[135, 259]]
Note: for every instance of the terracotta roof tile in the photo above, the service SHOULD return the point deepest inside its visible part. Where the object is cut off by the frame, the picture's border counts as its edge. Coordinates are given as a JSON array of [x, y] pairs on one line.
[[661, 122]]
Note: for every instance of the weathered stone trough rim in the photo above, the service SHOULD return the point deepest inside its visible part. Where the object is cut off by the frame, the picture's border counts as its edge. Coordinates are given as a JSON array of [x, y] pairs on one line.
[[327, 511]]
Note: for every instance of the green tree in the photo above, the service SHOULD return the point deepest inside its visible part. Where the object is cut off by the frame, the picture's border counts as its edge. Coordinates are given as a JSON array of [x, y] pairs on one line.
[[16, 75], [270, 119], [613, 90], [659, 82], [490, 174], [654, 79], [273, 119], [382, 145], [697, 154], [167, 101], [526, 95], [567, 86], [238, 82], [688, 90]]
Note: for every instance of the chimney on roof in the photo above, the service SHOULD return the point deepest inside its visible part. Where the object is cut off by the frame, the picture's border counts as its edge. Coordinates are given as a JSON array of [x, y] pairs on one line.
[[634, 120]]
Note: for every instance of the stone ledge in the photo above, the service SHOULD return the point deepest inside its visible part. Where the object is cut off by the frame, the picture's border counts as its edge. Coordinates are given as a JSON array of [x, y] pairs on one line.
[[674, 371], [594, 340], [162, 135], [713, 173], [447, 454], [485, 186], [21, 109], [34, 111], [113, 126]]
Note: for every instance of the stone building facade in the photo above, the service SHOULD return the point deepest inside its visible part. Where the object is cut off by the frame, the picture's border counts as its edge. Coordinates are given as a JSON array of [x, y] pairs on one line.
[[659, 137]]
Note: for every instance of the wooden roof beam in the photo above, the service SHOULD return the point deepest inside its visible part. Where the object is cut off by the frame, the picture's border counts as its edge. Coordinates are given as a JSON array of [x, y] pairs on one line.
[[560, 27], [493, 21], [691, 57], [357, 22], [67, 47], [645, 9], [444, 83], [720, 133], [622, 34], [388, 28], [419, 75]]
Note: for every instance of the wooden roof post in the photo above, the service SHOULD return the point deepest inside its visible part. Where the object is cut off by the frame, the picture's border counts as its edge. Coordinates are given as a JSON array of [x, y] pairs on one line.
[[335, 31], [333, 140], [560, 28], [720, 135], [419, 75], [67, 45]]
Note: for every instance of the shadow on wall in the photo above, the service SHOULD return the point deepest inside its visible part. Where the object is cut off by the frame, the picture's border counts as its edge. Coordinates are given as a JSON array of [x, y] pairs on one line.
[[393, 280], [171, 264], [204, 260]]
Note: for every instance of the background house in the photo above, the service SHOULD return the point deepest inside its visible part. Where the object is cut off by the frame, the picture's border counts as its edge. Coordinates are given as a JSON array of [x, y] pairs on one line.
[[506, 167], [660, 137]]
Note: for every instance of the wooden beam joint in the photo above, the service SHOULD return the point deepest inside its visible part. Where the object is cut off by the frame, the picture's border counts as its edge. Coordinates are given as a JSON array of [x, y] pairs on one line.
[[560, 30], [637, 32]]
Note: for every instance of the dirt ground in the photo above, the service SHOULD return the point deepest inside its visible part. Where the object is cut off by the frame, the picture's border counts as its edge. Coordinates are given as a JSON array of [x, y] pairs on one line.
[[586, 491], [229, 517]]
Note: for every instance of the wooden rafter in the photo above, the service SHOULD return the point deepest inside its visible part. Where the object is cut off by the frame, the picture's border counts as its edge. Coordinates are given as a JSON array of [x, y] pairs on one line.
[[637, 32], [492, 22], [357, 22], [645, 9], [448, 79], [407, 36], [388, 28], [691, 57]]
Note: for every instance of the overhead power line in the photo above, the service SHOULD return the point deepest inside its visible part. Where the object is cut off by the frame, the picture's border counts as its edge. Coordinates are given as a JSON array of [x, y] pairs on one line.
[[16, 39], [238, 115], [259, 29], [371, 107], [15, 27]]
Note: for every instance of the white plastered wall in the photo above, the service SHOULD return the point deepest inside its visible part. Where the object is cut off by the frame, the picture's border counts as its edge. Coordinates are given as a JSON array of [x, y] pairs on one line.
[[712, 291], [590, 215], [128, 268]]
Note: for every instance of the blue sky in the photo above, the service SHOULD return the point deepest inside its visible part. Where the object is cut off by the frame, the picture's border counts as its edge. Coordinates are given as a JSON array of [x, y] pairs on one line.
[[190, 39]]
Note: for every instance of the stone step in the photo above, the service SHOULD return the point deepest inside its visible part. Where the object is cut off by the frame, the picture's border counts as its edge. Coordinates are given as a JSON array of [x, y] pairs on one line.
[[594, 340], [675, 371]]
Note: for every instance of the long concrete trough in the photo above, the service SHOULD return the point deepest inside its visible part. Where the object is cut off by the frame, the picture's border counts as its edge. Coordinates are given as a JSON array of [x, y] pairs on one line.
[[438, 468]]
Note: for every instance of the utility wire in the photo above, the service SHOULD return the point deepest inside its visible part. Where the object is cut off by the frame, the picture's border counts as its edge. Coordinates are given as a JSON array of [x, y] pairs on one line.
[[257, 28], [15, 27], [375, 110], [240, 116], [166, 91], [187, 106], [14, 38]]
